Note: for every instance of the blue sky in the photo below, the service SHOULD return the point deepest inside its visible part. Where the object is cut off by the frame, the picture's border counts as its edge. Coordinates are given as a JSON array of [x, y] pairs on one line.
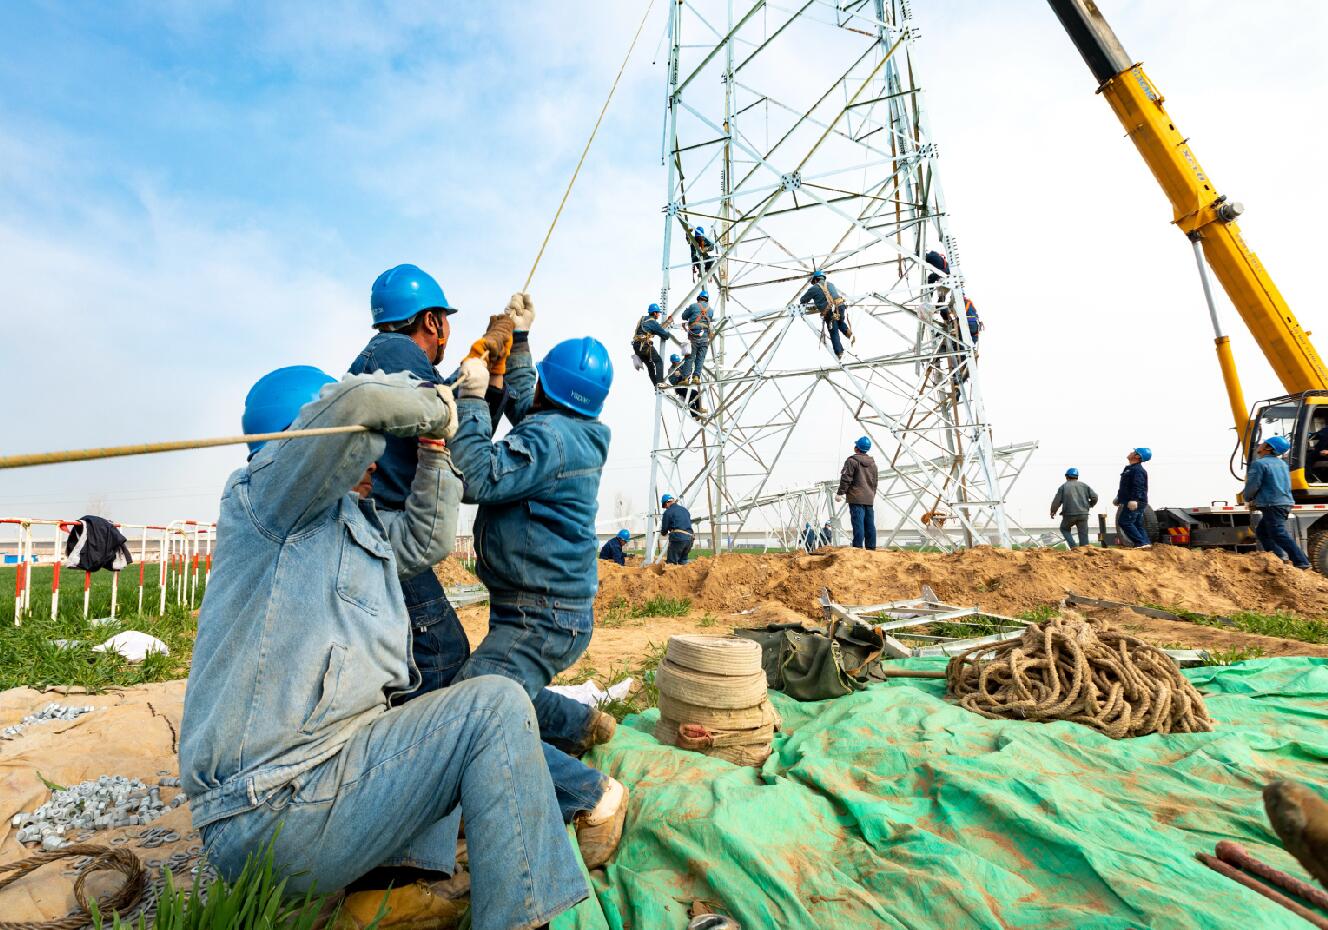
[[194, 193]]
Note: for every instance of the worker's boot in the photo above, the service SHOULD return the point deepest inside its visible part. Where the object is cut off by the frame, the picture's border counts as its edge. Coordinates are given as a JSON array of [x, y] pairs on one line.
[[420, 905], [599, 831], [1300, 818]]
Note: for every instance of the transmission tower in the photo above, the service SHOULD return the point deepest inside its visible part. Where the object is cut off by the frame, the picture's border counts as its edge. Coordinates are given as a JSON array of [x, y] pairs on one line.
[[797, 136]]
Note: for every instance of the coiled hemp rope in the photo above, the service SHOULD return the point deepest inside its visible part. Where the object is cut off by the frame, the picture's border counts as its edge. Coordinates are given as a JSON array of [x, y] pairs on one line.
[[104, 859], [1083, 671]]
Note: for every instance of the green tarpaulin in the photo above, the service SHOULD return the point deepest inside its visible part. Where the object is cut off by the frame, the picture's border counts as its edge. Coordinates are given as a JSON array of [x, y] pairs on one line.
[[892, 808]]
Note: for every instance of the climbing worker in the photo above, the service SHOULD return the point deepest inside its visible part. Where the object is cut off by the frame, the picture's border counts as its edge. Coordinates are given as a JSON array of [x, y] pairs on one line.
[[810, 542], [643, 344], [937, 261], [1075, 500], [832, 307], [975, 325], [702, 248], [612, 550], [677, 377], [699, 325], [1268, 490], [1132, 497], [827, 534], [676, 526], [288, 716], [410, 312], [536, 491], [857, 483]]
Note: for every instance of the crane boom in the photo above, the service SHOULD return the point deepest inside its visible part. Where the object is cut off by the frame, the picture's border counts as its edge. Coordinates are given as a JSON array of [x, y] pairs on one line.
[[1205, 216]]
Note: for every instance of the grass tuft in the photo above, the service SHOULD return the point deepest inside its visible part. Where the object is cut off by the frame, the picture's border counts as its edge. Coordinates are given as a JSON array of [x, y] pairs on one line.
[[1281, 625]]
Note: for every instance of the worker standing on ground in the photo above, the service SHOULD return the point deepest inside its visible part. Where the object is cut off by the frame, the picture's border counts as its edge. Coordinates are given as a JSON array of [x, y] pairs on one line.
[[411, 313], [537, 491], [612, 550], [827, 534], [703, 258], [1132, 498], [1075, 500], [810, 538], [1268, 490], [699, 325], [857, 483], [302, 644], [676, 526], [832, 307], [648, 328]]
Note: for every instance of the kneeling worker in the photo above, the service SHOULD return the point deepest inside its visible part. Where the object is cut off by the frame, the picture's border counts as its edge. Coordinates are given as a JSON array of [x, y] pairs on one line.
[[303, 642], [677, 529], [612, 550]]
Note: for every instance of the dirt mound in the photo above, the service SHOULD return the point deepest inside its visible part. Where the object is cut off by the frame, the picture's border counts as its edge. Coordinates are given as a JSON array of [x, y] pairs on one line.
[[1001, 580], [451, 573]]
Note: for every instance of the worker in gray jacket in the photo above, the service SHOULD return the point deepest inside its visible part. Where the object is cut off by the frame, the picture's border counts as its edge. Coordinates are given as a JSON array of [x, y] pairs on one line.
[[1075, 500]]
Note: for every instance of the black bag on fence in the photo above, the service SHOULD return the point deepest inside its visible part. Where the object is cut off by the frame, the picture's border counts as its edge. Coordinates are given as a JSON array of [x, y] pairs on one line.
[[95, 544]]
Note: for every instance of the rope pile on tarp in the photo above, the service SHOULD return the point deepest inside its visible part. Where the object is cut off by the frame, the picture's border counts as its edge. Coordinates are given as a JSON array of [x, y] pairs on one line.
[[103, 859], [1083, 671]]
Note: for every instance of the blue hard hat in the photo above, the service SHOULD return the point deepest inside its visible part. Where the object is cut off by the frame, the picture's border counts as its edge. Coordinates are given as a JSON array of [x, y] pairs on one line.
[[1072, 473], [624, 535], [654, 308], [576, 374], [675, 359], [664, 501], [404, 291], [704, 295], [1279, 444], [1144, 453], [818, 274], [863, 444], [276, 398], [700, 231]]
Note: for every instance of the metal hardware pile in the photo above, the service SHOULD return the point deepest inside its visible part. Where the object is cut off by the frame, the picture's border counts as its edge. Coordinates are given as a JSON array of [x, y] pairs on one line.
[[108, 803], [48, 714]]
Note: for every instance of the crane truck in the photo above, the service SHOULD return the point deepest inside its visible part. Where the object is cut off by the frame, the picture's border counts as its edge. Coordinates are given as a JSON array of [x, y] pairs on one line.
[[1208, 219]]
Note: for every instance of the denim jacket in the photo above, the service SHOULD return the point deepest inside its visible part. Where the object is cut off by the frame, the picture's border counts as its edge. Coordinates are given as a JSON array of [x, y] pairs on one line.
[[537, 489], [699, 323], [1133, 485], [1268, 483], [303, 635]]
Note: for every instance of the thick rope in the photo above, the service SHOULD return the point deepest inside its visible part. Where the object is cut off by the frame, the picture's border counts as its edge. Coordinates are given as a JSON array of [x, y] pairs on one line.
[[562, 203], [1083, 671], [104, 859]]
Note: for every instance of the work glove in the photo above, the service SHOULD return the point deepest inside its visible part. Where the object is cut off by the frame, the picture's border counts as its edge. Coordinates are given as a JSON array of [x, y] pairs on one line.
[[1132, 505], [1250, 506], [1115, 502], [522, 311], [474, 380], [496, 343], [445, 426]]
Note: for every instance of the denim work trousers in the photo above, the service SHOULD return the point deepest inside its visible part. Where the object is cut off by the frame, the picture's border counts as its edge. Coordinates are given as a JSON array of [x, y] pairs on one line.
[[863, 517], [1274, 537], [679, 546], [380, 799], [696, 359], [836, 327], [1078, 522], [438, 643], [530, 641], [1131, 524]]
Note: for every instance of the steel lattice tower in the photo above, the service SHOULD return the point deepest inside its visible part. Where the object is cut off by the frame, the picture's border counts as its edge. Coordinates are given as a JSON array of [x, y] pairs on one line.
[[796, 134]]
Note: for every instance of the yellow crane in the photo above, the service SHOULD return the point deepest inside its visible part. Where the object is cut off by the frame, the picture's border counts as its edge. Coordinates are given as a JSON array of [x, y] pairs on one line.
[[1208, 219]]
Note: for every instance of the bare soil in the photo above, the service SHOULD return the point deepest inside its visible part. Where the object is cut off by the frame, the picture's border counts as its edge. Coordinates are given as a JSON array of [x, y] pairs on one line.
[[451, 573]]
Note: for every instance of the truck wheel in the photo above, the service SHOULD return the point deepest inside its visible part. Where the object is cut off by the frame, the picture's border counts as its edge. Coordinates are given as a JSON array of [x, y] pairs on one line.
[[1318, 551], [1151, 529]]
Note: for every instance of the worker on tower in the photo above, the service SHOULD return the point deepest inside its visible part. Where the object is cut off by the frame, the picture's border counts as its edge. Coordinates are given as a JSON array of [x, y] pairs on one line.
[[536, 491], [857, 483], [612, 550], [937, 261], [289, 718], [832, 307], [1132, 497], [699, 325], [975, 325], [677, 377], [648, 328], [1076, 500], [1268, 490], [702, 248], [676, 526]]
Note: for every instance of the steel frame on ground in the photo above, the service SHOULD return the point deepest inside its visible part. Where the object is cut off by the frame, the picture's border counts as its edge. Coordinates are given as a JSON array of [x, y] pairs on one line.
[[796, 133]]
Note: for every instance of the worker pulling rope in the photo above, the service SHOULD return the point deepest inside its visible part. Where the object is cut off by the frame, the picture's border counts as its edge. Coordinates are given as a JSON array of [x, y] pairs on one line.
[[1083, 671]]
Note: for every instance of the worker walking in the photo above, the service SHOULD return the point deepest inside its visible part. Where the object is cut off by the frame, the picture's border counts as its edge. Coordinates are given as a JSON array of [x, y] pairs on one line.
[[1132, 497], [536, 491], [676, 526], [648, 328], [289, 734], [857, 483], [703, 258], [612, 550], [832, 307], [699, 325], [1268, 490], [1075, 500]]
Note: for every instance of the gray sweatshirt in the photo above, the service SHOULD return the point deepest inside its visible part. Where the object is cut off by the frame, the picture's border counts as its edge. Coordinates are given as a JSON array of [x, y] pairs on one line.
[[1075, 497]]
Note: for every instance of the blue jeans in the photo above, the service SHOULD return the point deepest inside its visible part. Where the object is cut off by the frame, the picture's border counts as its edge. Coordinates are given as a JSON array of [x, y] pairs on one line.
[[679, 546], [863, 517], [1077, 522], [438, 641], [836, 327], [696, 359], [381, 799], [1274, 537], [1131, 523], [530, 641]]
